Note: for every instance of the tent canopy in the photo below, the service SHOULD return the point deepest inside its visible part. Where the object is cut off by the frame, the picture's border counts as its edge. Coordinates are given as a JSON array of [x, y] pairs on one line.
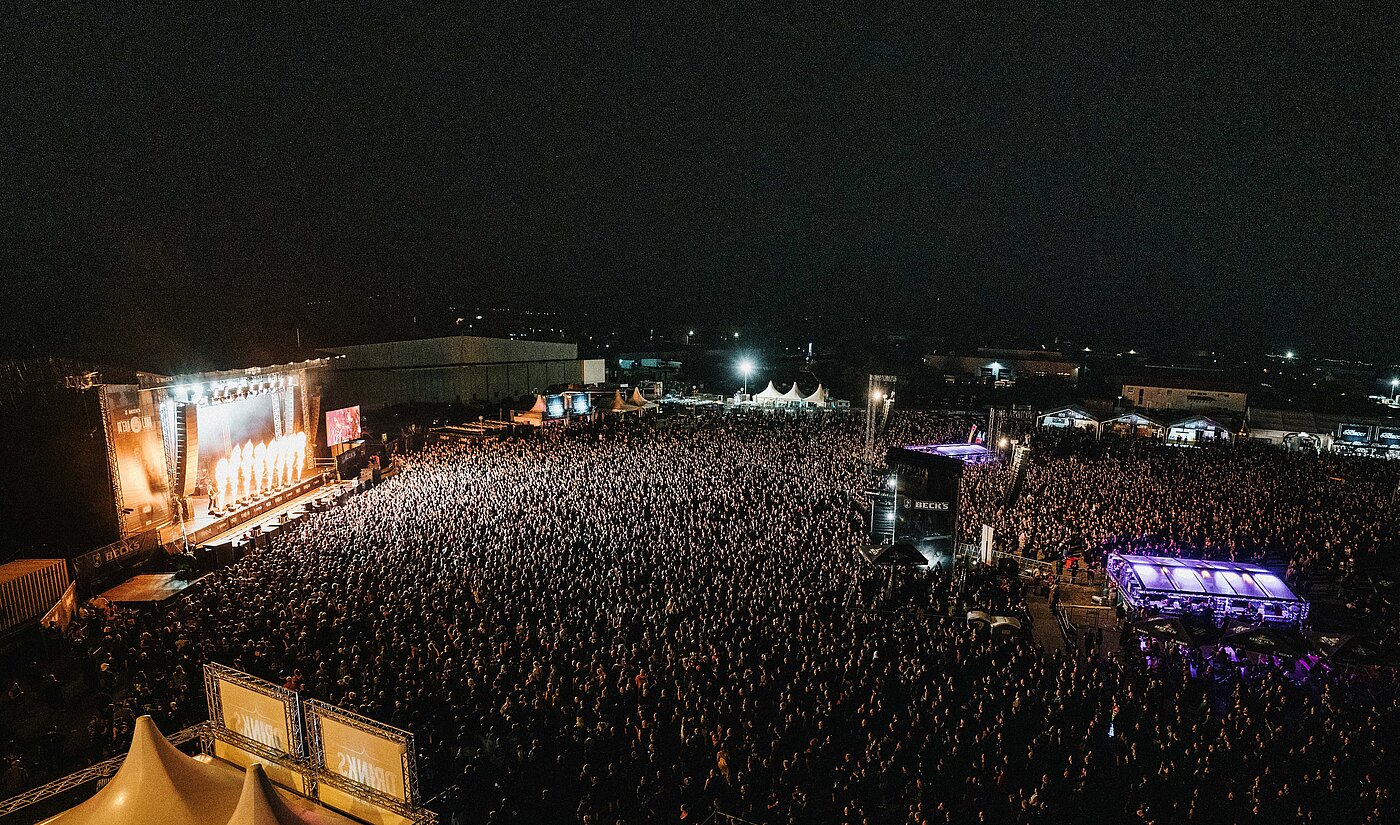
[[259, 804], [793, 394], [1134, 420], [1072, 411], [158, 783], [818, 397], [769, 393]]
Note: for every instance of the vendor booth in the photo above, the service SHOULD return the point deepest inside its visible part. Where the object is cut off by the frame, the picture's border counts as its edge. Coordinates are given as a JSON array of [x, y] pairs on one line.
[[1197, 429]]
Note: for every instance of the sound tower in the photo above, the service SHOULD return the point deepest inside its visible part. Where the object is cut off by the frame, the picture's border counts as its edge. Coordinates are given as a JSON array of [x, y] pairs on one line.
[[916, 503], [187, 442]]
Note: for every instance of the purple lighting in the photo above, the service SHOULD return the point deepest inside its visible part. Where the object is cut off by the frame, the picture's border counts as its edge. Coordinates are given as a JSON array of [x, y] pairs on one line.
[[1173, 586], [966, 453]]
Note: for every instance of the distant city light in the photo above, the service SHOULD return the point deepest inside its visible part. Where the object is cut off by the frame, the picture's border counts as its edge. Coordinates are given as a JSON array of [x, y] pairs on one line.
[[736, 335], [1288, 355]]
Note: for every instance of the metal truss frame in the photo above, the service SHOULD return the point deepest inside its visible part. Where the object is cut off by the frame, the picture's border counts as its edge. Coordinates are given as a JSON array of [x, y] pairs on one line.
[[214, 673], [316, 710]]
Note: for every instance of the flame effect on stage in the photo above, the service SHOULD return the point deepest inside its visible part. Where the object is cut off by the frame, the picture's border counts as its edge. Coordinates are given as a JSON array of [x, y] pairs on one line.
[[252, 469]]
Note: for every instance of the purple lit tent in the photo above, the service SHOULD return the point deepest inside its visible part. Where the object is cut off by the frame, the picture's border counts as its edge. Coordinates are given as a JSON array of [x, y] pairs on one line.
[[1175, 587]]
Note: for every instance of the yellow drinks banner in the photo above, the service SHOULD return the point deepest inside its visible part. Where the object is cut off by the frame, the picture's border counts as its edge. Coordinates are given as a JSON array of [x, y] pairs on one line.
[[370, 759], [255, 716]]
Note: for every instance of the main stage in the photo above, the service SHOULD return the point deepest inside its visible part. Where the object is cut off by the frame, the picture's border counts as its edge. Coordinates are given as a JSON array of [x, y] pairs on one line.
[[204, 527]]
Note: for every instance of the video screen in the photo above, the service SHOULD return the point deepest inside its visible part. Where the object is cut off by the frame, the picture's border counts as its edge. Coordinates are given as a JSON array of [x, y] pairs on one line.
[[554, 406], [342, 425], [580, 404]]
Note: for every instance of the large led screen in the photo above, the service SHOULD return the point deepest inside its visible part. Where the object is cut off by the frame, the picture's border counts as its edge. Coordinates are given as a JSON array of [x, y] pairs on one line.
[[580, 404], [554, 406], [342, 425]]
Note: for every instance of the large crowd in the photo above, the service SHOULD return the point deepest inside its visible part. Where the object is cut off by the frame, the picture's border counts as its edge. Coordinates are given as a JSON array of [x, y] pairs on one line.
[[1244, 502], [647, 625]]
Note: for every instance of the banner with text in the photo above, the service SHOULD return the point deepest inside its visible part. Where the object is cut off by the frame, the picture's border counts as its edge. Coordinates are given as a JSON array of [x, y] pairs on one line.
[[254, 709], [363, 752]]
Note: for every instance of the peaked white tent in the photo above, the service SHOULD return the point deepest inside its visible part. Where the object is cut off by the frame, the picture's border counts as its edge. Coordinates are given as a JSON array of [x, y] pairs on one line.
[[820, 397], [793, 394], [1196, 429], [617, 405], [158, 783], [1134, 424], [1066, 417], [260, 804], [769, 394]]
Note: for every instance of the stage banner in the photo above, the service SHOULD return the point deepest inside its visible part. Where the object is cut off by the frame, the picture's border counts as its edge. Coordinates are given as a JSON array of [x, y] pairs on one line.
[[143, 477], [1359, 434], [110, 561], [364, 753]]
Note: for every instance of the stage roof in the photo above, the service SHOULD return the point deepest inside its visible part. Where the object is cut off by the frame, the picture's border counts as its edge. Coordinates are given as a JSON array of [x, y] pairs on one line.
[[966, 453], [1199, 577]]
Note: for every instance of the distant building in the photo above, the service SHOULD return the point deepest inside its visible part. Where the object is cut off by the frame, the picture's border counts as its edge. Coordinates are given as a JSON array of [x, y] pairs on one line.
[[1004, 367], [1301, 429], [455, 369], [1185, 392]]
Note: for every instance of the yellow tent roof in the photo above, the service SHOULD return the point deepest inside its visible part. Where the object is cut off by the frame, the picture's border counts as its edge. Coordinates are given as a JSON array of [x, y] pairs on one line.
[[158, 783]]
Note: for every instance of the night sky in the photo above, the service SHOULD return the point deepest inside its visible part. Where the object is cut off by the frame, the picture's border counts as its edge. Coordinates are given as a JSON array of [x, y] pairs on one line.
[[1210, 175]]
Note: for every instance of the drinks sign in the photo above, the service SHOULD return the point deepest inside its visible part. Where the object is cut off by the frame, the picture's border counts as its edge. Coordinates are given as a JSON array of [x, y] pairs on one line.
[[363, 752]]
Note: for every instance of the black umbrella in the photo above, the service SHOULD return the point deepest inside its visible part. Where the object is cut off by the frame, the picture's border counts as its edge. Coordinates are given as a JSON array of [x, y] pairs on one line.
[[1267, 640], [1166, 628], [1344, 649]]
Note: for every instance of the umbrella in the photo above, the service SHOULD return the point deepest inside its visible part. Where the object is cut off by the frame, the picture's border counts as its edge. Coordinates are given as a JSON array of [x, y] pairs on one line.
[[1166, 628], [1266, 640], [1344, 649], [1176, 629], [1325, 644]]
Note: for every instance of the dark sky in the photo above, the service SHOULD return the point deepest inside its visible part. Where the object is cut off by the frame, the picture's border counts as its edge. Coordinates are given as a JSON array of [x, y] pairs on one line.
[[1214, 174]]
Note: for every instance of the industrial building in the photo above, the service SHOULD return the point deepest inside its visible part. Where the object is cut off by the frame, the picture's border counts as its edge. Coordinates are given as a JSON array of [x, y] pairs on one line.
[[454, 369], [1004, 367], [1195, 393]]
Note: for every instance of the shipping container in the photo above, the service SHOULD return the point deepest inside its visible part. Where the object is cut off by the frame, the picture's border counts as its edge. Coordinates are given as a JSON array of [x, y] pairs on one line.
[[29, 588]]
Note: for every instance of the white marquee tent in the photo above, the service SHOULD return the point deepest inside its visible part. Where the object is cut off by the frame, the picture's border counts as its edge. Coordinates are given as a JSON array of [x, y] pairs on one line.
[[769, 395], [820, 397], [157, 783]]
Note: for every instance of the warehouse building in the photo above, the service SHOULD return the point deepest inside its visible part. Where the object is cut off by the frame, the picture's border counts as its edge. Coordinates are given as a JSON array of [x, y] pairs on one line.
[[454, 369]]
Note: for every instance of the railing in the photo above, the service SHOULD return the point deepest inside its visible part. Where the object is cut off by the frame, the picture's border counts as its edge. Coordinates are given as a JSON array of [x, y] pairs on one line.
[[93, 773], [205, 733]]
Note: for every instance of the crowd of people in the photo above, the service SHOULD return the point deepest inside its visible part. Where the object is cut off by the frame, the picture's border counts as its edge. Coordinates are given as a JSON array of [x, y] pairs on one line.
[[1083, 497], [646, 624]]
